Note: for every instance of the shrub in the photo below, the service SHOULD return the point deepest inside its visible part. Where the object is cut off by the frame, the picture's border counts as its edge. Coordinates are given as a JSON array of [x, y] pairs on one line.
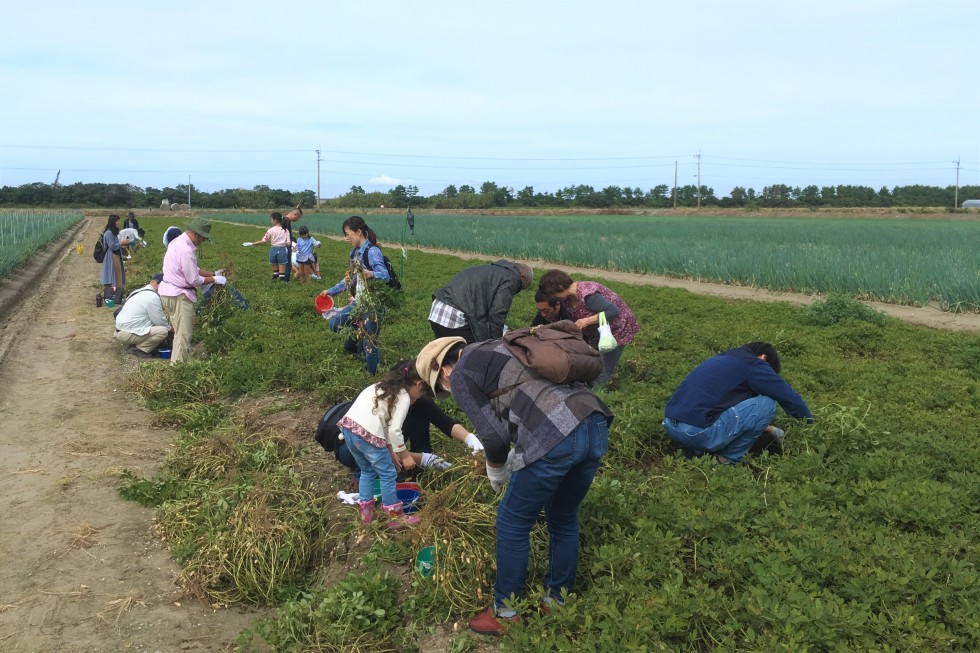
[[841, 308]]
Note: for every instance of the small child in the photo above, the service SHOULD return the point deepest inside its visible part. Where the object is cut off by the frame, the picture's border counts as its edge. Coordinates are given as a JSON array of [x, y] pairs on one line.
[[304, 255], [372, 429], [278, 239]]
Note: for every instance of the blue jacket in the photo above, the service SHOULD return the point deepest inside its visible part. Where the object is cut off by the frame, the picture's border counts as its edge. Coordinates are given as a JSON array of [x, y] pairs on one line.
[[727, 379]]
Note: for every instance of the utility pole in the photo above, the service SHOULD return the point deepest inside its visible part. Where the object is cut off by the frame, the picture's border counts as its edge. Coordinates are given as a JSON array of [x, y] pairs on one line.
[[318, 179], [188, 192], [699, 178], [956, 197], [675, 183]]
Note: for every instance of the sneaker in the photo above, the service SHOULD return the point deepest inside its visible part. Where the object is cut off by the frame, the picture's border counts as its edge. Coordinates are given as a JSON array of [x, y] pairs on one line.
[[137, 352], [487, 623]]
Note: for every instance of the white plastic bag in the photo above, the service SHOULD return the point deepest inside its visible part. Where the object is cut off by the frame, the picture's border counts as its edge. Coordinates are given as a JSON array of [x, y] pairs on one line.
[[606, 340]]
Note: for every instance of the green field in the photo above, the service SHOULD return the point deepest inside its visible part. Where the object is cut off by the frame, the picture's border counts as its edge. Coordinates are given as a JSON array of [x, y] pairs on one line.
[[22, 233], [863, 536], [898, 261]]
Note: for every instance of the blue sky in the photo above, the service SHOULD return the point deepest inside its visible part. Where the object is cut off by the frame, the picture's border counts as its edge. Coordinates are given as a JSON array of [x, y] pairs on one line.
[[523, 93]]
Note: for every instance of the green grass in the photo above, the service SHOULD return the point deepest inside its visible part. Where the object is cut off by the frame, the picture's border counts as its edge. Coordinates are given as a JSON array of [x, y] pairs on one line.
[[862, 536], [896, 261]]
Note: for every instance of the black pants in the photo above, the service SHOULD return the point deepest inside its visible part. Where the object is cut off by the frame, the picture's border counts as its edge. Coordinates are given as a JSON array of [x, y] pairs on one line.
[[466, 332]]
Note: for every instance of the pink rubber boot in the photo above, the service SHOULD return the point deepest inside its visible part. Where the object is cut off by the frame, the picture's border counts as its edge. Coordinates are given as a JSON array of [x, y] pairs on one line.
[[367, 511], [397, 518]]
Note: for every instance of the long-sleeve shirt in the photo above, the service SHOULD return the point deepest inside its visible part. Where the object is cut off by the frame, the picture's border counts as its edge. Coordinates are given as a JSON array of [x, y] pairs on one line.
[[142, 310], [181, 275], [375, 424], [727, 379], [376, 263], [535, 415]]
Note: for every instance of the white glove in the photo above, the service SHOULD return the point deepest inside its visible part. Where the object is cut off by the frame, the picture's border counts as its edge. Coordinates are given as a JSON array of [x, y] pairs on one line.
[[246, 244], [220, 280], [500, 476], [473, 443]]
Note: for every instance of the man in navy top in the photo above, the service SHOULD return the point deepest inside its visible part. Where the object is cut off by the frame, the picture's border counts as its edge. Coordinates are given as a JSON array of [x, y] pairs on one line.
[[728, 402]]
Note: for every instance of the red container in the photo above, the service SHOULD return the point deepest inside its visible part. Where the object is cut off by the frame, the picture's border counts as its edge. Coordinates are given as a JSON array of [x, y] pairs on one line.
[[323, 303]]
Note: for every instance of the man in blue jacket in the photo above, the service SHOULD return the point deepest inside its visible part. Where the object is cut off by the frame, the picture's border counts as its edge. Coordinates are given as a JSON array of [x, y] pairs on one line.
[[727, 402]]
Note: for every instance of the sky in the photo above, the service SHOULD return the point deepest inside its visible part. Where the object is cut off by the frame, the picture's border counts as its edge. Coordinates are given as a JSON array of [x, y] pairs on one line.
[[547, 94]]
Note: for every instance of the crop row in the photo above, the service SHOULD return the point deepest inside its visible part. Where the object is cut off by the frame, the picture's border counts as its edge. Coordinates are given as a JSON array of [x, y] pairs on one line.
[[22, 233]]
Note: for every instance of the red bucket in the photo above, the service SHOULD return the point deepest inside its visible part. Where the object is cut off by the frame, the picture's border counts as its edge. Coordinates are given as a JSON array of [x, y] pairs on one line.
[[323, 303]]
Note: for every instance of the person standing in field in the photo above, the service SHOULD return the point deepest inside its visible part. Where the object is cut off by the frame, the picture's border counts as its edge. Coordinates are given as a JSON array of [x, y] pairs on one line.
[[287, 224], [585, 300], [474, 304], [279, 246], [366, 266], [410, 218], [543, 440], [181, 278], [372, 429], [305, 256], [112, 276], [728, 402]]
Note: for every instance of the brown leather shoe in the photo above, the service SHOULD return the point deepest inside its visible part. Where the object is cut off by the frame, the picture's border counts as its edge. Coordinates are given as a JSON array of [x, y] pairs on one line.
[[486, 623]]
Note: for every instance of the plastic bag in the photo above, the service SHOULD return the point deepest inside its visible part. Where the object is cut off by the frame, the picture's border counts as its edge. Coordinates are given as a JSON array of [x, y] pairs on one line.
[[607, 342]]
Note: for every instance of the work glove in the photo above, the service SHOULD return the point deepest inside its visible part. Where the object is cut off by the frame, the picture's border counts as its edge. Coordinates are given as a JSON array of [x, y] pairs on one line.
[[246, 244], [500, 476], [473, 443], [220, 280]]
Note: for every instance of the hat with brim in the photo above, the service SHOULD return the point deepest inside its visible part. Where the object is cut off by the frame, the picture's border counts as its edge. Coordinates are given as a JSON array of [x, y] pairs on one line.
[[429, 362], [201, 227]]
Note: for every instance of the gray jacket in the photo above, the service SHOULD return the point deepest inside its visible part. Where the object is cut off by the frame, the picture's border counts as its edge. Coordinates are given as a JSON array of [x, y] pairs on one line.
[[484, 294]]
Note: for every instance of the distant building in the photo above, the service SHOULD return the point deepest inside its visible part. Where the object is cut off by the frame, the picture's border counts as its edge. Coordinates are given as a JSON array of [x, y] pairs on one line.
[[971, 204]]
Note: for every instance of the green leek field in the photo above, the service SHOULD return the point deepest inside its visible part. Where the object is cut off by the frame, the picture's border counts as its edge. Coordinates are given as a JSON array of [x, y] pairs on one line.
[[863, 536], [22, 233], [896, 261]]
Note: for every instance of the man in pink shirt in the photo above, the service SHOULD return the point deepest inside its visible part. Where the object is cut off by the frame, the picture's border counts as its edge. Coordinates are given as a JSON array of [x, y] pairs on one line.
[[181, 276]]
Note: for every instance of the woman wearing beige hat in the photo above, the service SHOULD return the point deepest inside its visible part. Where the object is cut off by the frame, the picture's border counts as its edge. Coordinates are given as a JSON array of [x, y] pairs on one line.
[[543, 440]]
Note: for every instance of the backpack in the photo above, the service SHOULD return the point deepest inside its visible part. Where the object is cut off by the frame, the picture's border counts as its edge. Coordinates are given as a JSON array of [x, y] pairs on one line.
[[393, 281], [555, 352], [327, 432], [98, 252]]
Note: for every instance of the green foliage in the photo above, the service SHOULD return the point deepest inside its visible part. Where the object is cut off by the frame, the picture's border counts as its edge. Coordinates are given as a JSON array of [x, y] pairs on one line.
[[359, 614], [861, 536], [835, 309]]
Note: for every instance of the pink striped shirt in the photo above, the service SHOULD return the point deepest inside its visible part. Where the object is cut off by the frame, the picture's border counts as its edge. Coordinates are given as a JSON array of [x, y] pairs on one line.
[[180, 270]]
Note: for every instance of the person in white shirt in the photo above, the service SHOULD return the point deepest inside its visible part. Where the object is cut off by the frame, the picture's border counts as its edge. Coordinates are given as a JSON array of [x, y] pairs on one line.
[[141, 323]]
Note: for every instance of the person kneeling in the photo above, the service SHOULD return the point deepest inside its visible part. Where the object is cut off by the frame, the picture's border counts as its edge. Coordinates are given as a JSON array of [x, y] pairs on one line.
[[729, 401], [141, 323]]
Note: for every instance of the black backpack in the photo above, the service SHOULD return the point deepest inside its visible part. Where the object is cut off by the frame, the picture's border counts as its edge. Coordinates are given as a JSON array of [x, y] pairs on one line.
[[98, 252], [393, 281], [327, 432]]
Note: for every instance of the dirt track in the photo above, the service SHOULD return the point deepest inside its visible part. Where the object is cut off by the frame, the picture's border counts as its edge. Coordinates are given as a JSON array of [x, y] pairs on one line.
[[83, 570]]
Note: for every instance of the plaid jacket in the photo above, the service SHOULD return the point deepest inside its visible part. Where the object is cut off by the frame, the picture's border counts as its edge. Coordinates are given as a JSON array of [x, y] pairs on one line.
[[535, 415]]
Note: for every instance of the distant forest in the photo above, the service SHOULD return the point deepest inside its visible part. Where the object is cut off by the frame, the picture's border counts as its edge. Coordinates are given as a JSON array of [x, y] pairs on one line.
[[489, 195]]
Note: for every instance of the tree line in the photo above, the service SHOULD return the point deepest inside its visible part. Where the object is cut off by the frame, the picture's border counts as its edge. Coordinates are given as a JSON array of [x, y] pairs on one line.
[[489, 195]]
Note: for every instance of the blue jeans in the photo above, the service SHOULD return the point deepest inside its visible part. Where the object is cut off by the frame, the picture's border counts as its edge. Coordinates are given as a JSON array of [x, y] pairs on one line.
[[375, 462], [367, 346], [278, 255], [558, 483], [732, 434]]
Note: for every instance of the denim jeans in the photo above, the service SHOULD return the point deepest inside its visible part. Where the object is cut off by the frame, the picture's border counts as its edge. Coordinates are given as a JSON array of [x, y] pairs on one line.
[[558, 483], [732, 434], [375, 462], [367, 346]]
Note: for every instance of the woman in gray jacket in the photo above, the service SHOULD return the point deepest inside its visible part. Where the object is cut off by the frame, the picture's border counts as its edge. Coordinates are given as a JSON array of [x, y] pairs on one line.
[[113, 274]]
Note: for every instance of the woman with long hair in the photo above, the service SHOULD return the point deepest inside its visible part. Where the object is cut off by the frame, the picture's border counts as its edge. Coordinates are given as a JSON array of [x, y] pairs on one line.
[[113, 273]]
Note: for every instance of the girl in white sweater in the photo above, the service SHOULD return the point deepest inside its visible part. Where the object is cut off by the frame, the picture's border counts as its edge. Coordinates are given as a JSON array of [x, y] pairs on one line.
[[373, 431]]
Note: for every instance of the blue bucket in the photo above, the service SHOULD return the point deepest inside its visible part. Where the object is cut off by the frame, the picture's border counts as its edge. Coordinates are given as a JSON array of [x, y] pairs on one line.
[[409, 499]]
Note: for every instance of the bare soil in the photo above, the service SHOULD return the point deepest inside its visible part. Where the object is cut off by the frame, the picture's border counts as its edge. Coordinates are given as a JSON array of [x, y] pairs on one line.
[[83, 569]]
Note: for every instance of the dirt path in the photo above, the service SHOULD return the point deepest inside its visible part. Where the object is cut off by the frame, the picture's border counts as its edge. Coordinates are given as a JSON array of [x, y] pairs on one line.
[[83, 570]]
